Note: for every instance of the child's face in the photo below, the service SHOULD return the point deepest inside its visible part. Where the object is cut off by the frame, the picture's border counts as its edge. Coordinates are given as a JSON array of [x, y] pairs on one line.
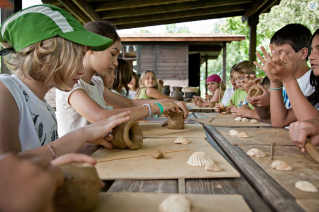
[[149, 80], [212, 86], [239, 78], [232, 80], [314, 56], [132, 84], [108, 78], [290, 52]]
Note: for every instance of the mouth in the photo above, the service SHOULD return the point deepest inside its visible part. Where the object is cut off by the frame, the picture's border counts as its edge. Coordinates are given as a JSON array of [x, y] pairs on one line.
[[75, 80], [313, 66]]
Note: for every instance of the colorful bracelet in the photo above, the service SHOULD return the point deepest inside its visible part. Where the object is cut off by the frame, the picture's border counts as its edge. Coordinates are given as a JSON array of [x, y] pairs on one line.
[[52, 152], [276, 88], [160, 107]]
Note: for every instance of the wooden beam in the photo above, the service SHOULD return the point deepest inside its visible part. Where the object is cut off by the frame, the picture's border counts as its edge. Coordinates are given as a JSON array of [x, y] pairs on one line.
[[131, 4], [191, 13], [52, 2], [252, 23], [170, 8], [206, 73], [269, 5], [75, 11], [177, 20], [264, 7], [255, 7], [224, 62], [205, 48], [85, 7]]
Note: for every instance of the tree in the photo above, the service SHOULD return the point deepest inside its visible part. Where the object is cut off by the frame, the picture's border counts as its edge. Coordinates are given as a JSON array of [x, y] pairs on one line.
[[144, 31], [172, 28]]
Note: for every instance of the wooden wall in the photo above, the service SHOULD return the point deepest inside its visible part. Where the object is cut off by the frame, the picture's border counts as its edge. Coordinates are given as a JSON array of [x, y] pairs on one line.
[[168, 61]]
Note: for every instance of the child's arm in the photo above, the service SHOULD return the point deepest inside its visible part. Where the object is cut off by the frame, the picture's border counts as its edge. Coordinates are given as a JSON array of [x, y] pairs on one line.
[[215, 97], [247, 112], [153, 93]]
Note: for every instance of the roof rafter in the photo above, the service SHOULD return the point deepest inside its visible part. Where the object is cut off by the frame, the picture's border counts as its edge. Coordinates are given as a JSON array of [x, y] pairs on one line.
[[86, 8]]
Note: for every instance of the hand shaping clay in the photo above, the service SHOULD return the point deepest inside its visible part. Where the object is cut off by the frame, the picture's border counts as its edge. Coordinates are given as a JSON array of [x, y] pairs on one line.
[[254, 152], [213, 167], [157, 154], [175, 203], [80, 190], [176, 121], [199, 159], [254, 91], [306, 186], [280, 165], [127, 135]]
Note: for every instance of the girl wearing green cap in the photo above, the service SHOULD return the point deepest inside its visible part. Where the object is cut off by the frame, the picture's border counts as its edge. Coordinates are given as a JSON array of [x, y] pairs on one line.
[[44, 48], [86, 103]]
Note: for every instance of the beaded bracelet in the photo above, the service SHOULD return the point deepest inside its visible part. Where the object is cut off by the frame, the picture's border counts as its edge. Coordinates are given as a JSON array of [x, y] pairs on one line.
[[276, 88], [52, 152]]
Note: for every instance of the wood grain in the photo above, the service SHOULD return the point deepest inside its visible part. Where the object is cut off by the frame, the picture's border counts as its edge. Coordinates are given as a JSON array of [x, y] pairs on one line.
[[229, 122]]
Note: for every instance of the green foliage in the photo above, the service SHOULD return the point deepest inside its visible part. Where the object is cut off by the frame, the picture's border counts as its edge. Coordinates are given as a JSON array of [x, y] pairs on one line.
[[288, 11], [144, 31], [172, 28]]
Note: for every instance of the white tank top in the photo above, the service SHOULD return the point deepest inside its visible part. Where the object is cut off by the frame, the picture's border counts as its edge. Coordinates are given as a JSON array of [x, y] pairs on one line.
[[37, 121]]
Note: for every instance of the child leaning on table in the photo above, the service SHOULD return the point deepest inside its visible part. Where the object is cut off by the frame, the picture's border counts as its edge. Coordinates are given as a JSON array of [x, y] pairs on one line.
[[240, 70], [52, 57], [230, 91]]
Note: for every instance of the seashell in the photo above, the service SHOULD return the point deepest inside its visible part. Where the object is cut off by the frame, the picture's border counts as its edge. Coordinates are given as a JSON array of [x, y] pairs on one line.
[[242, 135], [213, 167], [233, 132], [280, 165], [199, 159], [254, 152], [175, 203], [254, 121], [221, 106], [157, 154], [181, 140], [224, 113], [306, 186], [238, 119], [245, 120]]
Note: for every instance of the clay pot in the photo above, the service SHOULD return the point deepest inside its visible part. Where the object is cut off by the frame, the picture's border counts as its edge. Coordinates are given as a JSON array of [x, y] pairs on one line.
[[177, 93], [127, 135], [80, 190], [254, 91], [176, 121], [166, 90]]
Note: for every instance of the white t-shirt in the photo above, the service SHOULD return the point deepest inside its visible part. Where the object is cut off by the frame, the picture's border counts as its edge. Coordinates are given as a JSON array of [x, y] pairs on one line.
[[131, 94], [305, 87], [37, 121], [227, 94], [68, 118]]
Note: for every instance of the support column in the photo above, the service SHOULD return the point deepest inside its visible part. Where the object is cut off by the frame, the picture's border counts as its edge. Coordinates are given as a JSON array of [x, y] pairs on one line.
[[252, 23], [224, 62], [206, 74]]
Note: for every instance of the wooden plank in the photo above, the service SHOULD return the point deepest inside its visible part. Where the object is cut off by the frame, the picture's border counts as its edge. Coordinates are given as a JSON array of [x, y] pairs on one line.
[[259, 136], [156, 130], [172, 166], [279, 199], [87, 10], [229, 122], [181, 186], [303, 168], [74, 10], [309, 205], [132, 202]]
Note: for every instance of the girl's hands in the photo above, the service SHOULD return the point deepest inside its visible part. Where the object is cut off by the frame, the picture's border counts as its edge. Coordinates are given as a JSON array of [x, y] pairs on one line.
[[300, 130], [97, 132], [73, 158]]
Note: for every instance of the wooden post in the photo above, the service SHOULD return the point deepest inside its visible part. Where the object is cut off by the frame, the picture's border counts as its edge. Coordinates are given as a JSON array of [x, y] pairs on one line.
[[206, 74], [224, 62], [252, 23], [5, 13]]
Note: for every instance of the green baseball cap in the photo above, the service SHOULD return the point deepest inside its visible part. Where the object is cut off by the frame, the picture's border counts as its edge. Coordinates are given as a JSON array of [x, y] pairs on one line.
[[41, 22]]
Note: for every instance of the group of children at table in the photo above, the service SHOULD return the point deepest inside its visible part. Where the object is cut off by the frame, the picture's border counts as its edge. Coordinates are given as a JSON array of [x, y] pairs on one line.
[[96, 91]]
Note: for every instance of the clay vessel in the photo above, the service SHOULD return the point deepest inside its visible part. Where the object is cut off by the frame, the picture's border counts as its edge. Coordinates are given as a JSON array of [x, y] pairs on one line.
[[177, 93], [166, 90], [127, 135], [254, 91], [80, 190], [176, 121], [228, 110]]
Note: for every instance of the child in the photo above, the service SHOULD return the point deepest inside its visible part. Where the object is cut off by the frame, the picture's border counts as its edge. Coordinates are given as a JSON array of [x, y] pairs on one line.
[[150, 88], [230, 91], [280, 70], [52, 57], [133, 86], [216, 87], [123, 75], [86, 103]]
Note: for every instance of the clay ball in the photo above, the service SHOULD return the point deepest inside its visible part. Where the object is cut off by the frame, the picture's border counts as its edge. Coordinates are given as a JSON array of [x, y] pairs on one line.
[[157, 154]]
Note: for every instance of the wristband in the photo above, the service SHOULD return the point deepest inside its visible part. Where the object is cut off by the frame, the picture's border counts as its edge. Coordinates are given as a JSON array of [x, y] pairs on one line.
[[149, 110], [52, 152], [276, 88], [160, 107]]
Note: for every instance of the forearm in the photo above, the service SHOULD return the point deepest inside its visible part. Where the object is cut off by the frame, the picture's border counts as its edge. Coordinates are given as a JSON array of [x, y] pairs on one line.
[[263, 112], [302, 108]]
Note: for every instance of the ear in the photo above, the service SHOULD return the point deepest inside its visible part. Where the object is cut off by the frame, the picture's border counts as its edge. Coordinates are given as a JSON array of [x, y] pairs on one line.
[[304, 53]]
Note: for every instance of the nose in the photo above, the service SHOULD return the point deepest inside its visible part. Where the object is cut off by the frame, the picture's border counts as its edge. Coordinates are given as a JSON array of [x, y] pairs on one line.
[[115, 62], [81, 71]]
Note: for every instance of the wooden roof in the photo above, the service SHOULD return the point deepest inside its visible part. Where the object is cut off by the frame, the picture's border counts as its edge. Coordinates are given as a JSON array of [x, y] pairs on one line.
[[140, 13]]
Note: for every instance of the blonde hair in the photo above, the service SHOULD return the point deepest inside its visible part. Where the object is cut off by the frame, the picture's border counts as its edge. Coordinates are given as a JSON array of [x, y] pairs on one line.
[[142, 85], [48, 61], [244, 67], [222, 86]]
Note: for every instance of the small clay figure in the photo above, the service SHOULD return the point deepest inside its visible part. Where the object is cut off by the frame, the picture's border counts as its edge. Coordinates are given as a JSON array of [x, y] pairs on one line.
[[157, 154], [176, 121], [212, 105], [228, 110], [80, 190], [254, 91], [127, 135]]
